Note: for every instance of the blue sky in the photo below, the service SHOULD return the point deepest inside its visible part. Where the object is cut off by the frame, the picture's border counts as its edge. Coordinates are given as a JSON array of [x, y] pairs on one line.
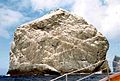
[[103, 14]]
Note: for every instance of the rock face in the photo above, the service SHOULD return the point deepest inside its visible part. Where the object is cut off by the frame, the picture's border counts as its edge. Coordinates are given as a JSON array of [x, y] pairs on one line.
[[116, 64], [59, 42]]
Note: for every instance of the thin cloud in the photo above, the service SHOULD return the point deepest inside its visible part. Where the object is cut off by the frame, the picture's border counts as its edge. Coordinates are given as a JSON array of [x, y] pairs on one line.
[[111, 22], [8, 18], [104, 17], [103, 14], [14, 12], [4, 33], [49, 4]]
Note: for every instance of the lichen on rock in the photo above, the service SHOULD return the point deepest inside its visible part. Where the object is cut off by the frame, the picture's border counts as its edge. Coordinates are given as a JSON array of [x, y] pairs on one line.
[[59, 42]]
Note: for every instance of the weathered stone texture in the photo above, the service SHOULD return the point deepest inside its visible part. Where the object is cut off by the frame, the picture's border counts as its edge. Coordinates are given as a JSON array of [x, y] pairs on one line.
[[116, 64], [58, 42]]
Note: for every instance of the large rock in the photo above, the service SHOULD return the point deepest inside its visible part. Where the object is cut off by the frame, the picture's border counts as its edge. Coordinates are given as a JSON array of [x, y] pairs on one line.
[[58, 42], [116, 64]]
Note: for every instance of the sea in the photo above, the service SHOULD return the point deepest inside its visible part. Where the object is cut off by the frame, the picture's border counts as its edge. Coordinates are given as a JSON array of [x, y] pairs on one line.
[[72, 77]]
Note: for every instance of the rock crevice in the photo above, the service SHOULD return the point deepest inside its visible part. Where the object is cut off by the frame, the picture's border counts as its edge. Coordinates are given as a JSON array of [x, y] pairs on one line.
[[58, 42]]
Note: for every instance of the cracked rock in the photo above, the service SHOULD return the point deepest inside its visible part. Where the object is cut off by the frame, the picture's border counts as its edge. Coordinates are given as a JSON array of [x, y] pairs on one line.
[[58, 42]]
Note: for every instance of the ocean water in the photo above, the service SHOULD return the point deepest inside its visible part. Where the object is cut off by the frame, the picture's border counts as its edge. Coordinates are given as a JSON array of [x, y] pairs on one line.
[[73, 77]]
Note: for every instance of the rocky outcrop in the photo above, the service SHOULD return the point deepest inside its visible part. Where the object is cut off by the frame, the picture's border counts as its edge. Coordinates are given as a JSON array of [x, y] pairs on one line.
[[116, 64], [58, 42]]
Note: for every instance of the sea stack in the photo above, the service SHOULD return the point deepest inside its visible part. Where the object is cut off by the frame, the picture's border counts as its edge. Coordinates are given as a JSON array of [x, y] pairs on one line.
[[116, 64], [57, 43]]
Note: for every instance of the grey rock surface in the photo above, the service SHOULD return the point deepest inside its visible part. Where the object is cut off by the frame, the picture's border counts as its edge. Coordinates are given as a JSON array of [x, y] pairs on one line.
[[116, 64], [58, 42]]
